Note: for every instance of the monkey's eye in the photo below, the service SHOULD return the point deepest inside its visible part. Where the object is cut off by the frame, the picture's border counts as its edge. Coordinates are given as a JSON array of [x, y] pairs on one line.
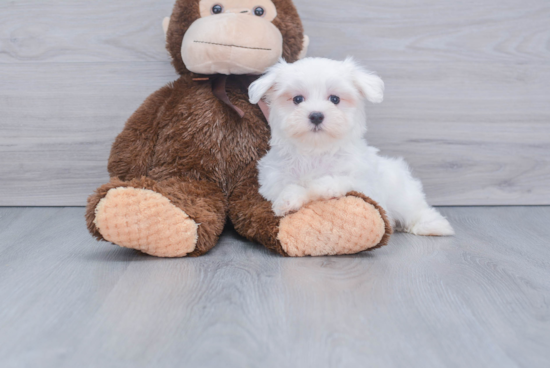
[[335, 99], [299, 99], [217, 9], [259, 11]]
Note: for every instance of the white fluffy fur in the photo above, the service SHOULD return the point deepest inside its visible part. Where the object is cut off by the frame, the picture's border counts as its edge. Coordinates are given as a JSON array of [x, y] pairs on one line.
[[306, 163]]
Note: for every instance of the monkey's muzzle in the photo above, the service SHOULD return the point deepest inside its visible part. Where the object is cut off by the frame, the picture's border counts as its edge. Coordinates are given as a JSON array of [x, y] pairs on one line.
[[231, 44]]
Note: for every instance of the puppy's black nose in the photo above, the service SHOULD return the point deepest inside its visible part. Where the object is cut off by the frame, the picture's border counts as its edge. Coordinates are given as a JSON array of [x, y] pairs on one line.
[[316, 118]]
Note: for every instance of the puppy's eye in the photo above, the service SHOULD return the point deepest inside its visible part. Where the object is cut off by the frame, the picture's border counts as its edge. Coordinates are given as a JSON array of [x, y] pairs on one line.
[[217, 9], [259, 11], [335, 99], [299, 99]]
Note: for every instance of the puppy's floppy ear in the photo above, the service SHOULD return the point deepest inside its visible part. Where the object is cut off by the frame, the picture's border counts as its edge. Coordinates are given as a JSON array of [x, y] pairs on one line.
[[260, 87], [369, 84]]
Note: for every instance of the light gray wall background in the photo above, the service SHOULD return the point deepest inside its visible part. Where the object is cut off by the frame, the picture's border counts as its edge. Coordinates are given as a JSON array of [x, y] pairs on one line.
[[467, 103]]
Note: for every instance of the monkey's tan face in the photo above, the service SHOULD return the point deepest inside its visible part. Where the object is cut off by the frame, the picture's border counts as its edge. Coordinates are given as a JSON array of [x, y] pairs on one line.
[[233, 37]]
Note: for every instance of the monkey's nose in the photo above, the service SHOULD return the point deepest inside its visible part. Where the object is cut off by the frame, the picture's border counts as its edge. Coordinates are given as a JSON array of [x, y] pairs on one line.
[[237, 10], [316, 118]]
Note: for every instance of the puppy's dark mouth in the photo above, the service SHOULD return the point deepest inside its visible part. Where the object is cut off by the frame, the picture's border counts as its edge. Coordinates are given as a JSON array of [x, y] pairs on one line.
[[317, 129], [228, 45]]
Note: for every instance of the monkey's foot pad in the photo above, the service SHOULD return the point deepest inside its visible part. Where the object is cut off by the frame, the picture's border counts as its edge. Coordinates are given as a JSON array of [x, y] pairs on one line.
[[347, 225], [147, 221]]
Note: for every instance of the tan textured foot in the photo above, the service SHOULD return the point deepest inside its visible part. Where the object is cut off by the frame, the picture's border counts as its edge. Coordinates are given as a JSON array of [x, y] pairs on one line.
[[347, 225], [147, 221]]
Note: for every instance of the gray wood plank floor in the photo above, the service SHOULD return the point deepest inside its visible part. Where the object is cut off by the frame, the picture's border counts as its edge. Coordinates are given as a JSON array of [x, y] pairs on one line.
[[467, 102], [480, 299]]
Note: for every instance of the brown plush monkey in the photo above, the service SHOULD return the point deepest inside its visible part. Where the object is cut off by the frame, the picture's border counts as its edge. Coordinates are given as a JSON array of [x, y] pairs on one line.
[[186, 160]]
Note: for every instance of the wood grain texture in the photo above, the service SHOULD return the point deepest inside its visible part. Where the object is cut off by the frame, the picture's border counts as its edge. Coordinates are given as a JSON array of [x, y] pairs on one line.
[[425, 30], [431, 30], [56, 134], [467, 101], [479, 299], [82, 30]]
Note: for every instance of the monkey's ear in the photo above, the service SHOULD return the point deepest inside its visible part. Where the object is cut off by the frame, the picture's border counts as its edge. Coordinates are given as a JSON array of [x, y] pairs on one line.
[[165, 25], [305, 47], [261, 87], [369, 84]]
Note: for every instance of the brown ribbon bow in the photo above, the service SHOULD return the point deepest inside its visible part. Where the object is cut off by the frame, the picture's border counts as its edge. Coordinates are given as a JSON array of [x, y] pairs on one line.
[[219, 84]]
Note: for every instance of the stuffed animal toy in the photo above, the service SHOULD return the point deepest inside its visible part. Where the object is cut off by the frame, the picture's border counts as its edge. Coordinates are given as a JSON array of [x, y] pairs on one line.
[[186, 161]]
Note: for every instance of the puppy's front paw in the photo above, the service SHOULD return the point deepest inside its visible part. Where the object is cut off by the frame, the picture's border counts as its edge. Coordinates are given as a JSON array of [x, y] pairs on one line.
[[291, 199], [329, 187], [431, 223]]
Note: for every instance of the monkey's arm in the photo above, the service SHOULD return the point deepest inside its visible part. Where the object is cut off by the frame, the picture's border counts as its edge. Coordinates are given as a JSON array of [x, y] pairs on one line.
[[133, 148]]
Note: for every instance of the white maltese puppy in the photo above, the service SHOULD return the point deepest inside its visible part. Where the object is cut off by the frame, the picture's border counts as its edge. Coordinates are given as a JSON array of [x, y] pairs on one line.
[[318, 147]]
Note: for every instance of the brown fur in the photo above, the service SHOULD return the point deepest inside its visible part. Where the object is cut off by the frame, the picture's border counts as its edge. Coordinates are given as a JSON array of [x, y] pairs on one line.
[[174, 139], [196, 151], [251, 214]]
